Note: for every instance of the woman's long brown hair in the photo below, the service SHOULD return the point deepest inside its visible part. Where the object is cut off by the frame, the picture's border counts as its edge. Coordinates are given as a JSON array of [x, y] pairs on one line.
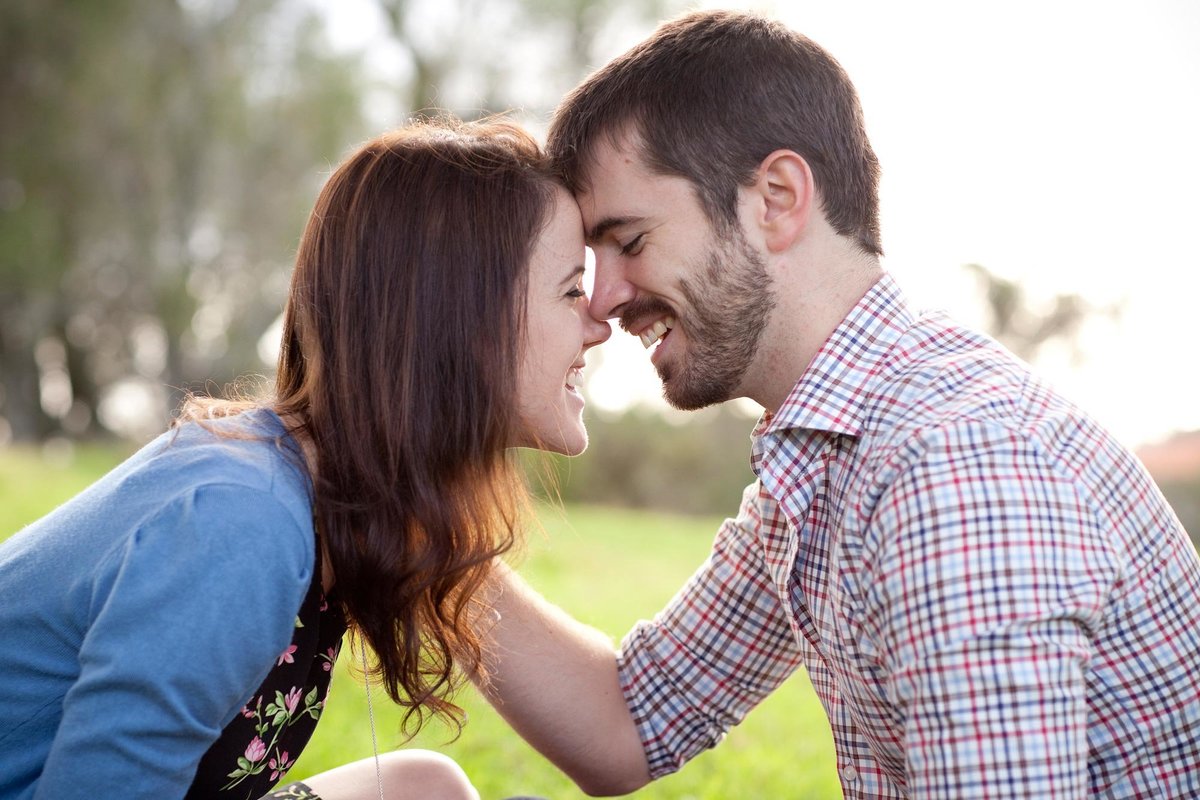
[[401, 341]]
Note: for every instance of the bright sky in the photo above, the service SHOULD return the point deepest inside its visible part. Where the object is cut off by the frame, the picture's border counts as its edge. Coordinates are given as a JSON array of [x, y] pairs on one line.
[[1055, 142]]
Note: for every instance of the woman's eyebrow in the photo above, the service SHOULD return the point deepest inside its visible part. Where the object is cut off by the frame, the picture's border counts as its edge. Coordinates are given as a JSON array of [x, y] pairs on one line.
[[573, 276]]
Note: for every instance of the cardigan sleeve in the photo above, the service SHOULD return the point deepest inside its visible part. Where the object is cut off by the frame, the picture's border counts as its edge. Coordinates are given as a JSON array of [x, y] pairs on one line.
[[187, 622]]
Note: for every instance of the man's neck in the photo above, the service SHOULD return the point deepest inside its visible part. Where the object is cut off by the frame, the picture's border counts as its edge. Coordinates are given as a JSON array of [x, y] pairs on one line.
[[811, 302]]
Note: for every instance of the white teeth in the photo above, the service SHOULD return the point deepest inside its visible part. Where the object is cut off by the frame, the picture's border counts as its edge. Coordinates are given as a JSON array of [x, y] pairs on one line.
[[574, 378], [656, 331]]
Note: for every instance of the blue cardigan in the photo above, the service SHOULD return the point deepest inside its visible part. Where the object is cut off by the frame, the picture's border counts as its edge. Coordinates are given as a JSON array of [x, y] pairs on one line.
[[138, 618]]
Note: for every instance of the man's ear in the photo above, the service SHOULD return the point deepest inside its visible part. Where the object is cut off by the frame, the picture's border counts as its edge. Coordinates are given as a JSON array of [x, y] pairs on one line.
[[786, 198]]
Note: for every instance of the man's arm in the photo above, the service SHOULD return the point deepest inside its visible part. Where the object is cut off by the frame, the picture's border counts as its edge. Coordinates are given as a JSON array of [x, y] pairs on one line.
[[613, 723], [555, 681], [989, 575]]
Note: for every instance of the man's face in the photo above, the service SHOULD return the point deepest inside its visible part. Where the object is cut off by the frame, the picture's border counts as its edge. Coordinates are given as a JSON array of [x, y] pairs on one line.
[[700, 298]]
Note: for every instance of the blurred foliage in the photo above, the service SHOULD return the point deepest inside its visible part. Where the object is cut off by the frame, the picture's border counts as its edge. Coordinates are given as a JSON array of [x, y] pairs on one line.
[[637, 460], [158, 158], [156, 162], [479, 56], [1016, 321], [1184, 497]]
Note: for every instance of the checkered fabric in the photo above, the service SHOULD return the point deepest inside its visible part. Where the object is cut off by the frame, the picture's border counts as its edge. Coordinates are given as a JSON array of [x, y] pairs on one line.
[[991, 597]]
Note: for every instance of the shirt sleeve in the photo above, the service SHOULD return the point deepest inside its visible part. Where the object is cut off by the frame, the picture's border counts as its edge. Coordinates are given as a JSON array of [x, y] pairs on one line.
[[199, 604], [720, 646], [990, 571]]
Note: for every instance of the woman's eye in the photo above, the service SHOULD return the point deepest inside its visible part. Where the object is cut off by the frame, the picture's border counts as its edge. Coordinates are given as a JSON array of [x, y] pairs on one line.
[[634, 246], [577, 292]]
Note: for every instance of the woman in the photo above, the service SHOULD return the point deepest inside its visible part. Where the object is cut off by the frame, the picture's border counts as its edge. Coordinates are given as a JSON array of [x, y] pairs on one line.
[[171, 630]]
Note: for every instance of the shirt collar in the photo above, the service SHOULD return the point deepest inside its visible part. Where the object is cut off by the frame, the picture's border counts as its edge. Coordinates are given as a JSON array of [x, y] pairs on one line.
[[833, 392]]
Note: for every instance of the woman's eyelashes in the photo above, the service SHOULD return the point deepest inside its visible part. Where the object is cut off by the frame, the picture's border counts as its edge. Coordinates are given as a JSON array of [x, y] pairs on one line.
[[634, 246]]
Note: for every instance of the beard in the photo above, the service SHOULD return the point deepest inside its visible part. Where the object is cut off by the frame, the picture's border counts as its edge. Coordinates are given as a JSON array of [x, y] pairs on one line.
[[728, 304]]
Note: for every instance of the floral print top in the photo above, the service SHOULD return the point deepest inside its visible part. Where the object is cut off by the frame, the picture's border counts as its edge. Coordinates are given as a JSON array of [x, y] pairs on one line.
[[257, 748]]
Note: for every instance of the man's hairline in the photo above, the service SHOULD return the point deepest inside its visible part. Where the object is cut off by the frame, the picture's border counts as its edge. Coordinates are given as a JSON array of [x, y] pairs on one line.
[[621, 136], [626, 136]]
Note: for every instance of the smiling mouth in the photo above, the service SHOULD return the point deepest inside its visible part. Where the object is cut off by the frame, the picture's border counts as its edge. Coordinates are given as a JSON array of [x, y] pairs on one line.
[[656, 332], [575, 378]]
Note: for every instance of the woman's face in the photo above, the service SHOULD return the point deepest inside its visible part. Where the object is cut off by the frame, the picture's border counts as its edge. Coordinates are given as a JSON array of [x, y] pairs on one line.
[[558, 333]]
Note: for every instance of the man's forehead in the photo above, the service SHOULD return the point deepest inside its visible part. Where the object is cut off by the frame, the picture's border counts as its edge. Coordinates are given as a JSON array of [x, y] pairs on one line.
[[610, 207], [608, 191], [605, 159], [621, 148]]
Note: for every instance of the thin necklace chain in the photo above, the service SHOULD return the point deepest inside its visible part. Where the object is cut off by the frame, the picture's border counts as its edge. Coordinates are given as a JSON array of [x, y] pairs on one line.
[[371, 717]]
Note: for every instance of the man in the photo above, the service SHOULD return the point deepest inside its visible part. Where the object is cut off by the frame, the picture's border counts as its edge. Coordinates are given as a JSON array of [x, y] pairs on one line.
[[989, 594]]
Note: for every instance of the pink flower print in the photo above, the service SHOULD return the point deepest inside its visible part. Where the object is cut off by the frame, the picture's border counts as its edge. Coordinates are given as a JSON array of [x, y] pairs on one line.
[[292, 700], [279, 765], [255, 750], [247, 713], [331, 654], [286, 655]]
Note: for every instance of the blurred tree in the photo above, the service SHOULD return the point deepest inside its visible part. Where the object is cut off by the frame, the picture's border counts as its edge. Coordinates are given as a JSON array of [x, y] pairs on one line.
[[698, 466], [1024, 329], [586, 22], [150, 193], [151, 157], [474, 57]]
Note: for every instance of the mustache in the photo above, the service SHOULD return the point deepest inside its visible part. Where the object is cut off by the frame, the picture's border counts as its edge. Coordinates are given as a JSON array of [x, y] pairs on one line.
[[640, 308]]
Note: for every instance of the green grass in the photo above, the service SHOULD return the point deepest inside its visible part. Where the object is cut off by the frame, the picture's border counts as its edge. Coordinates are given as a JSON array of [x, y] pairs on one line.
[[31, 485], [607, 567]]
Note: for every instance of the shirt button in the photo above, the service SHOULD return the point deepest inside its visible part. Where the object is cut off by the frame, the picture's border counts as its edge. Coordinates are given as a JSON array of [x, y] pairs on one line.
[[850, 773]]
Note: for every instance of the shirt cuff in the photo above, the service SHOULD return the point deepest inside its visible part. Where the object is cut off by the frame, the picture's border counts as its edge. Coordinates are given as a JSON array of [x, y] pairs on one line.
[[670, 734]]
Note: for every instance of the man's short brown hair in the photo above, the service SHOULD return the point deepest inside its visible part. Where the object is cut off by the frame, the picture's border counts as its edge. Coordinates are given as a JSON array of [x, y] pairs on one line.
[[710, 95]]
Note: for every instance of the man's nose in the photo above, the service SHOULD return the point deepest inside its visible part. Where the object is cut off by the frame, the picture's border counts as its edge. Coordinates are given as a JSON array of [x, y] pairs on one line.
[[611, 289]]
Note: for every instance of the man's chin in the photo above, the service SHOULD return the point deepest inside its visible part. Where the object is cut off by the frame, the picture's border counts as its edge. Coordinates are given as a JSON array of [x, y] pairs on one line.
[[686, 395]]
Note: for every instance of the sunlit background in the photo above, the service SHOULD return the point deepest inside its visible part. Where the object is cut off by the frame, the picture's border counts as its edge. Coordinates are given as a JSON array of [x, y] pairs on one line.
[[1055, 143], [159, 158]]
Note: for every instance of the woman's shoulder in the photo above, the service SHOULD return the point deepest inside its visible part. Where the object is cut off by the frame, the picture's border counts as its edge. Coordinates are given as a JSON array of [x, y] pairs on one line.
[[251, 451], [236, 478], [195, 504], [244, 471]]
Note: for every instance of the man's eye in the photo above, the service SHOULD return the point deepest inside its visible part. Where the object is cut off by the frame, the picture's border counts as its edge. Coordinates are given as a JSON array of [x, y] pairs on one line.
[[634, 246]]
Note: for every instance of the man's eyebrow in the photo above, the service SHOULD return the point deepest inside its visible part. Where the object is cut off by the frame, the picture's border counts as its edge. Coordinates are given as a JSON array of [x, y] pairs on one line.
[[605, 225]]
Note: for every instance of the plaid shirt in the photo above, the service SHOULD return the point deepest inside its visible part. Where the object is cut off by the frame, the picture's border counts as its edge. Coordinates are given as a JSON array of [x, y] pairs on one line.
[[990, 595]]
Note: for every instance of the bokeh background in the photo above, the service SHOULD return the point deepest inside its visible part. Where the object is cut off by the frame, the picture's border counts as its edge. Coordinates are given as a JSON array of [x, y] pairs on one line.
[[158, 159]]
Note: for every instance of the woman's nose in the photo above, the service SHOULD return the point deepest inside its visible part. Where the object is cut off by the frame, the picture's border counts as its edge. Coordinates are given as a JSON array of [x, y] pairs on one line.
[[595, 331]]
